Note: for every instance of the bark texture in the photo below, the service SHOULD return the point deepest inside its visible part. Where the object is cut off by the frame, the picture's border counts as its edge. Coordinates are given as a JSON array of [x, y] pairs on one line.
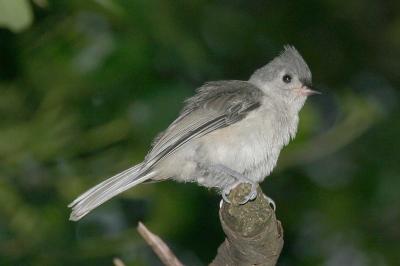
[[253, 234]]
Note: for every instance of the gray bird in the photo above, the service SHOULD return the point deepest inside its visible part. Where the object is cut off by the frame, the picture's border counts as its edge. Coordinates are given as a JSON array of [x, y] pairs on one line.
[[229, 132]]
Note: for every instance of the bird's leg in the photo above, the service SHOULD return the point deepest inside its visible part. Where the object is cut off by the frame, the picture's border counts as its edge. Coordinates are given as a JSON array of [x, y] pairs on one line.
[[239, 179]]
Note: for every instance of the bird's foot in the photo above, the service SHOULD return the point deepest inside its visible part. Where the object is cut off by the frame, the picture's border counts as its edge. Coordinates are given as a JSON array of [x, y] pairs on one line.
[[251, 196], [239, 179]]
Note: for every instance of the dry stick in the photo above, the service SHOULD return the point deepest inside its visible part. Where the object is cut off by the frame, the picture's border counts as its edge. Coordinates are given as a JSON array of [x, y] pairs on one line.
[[118, 262], [159, 247]]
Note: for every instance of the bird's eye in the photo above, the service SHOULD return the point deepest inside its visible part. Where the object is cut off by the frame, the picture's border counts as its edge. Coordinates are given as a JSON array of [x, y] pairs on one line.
[[287, 78]]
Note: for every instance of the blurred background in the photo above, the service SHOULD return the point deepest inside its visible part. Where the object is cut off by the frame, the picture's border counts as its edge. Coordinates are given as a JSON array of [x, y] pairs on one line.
[[86, 85]]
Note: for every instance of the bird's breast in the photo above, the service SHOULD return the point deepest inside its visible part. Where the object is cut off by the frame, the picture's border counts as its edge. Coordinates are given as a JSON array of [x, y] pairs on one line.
[[250, 146]]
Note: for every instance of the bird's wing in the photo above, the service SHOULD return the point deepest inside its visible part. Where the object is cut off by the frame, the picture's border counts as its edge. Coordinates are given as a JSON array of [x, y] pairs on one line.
[[215, 105]]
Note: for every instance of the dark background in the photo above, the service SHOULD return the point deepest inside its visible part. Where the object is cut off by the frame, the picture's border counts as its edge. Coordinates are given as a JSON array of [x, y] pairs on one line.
[[86, 85]]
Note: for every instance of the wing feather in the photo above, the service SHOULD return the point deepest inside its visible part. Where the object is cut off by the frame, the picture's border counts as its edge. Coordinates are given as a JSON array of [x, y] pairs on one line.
[[216, 105]]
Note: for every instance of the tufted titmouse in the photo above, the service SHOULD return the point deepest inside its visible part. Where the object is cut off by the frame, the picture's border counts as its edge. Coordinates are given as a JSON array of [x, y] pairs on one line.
[[229, 132]]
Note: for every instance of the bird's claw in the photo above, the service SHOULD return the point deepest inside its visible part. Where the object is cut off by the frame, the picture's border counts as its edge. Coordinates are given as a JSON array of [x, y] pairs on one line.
[[225, 194], [271, 202], [252, 194]]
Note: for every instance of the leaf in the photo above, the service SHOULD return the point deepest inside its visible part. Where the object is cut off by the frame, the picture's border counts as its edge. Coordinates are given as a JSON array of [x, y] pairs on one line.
[[16, 15]]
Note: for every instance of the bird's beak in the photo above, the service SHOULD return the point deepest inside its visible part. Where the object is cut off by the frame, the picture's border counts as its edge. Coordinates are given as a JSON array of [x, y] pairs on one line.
[[307, 91]]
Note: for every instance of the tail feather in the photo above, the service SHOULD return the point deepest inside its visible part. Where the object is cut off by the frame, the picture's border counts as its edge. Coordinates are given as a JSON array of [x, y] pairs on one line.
[[106, 190]]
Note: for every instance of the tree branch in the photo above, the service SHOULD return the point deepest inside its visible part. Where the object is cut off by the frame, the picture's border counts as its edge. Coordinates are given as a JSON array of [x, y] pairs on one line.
[[253, 234]]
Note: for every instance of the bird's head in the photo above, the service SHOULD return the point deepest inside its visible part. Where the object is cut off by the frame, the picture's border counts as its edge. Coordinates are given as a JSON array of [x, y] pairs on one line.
[[286, 77]]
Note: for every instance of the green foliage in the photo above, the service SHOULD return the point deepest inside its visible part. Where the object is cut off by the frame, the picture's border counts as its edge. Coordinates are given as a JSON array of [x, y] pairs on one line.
[[85, 88]]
